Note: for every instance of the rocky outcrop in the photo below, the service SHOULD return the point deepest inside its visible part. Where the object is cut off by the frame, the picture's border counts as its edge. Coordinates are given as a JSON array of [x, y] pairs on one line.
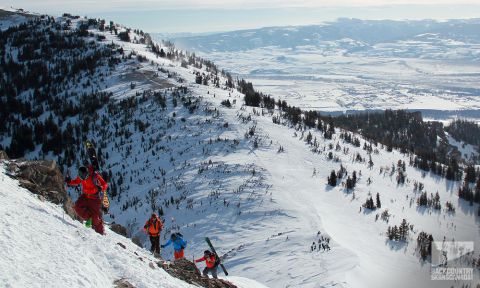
[[41, 177], [122, 283], [137, 241], [119, 229], [3, 155], [188, 272]]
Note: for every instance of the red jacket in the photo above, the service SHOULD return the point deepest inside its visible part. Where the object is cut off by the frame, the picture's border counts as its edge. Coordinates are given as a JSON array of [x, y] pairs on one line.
[[89, 185], [210, 261]]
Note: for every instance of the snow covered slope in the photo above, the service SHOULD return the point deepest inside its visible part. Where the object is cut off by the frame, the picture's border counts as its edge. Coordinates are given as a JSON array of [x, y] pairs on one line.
[[11, 17], [257, 189], [43, 247], [283, 201]]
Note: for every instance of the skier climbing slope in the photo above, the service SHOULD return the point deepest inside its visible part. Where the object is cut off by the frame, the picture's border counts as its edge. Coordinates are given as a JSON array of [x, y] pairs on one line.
[[89, 205]]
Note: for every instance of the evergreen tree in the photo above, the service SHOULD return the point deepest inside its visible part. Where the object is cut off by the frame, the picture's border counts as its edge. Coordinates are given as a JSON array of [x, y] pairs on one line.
[[369, 204], [476, 196], [403, 230], [124, 36], [390, 233], [379, 205], [309, 137], [395, 234], [470, 173], [22, 141], [198, 78], [350, 184], [332, 180]]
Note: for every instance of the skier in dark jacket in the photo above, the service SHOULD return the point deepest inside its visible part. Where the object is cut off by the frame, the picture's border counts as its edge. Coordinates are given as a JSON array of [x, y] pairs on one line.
[[211, 262], [178, 245], [89, 204], [153, 227]]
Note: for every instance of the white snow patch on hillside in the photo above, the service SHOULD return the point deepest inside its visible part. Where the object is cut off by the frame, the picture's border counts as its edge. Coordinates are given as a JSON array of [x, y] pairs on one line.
[[468, 151], [9, 18]]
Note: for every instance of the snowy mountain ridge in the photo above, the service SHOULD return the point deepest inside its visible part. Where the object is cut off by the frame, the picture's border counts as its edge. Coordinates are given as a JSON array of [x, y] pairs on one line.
[[356, 35], [257, 187]]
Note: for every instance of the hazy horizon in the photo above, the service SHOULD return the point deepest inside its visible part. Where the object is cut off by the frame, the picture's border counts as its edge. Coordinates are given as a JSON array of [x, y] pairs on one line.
[[155, 17]]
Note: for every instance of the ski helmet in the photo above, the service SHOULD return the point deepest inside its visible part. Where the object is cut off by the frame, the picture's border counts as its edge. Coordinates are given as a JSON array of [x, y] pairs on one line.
[[83, 172], [207, 252], [173, 236]]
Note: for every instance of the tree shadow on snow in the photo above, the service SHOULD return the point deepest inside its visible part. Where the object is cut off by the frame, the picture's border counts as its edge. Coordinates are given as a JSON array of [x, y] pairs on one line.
[[347, 191], [367, 211], [328, 188], [450, 185], [423, 209], [467, 208], [395, 245]]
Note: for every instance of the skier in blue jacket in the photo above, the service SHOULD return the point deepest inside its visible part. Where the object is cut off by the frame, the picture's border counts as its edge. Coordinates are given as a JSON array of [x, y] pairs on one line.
[[178, 245]]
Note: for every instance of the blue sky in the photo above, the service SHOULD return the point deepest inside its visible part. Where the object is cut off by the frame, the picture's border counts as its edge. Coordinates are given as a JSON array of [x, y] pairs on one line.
[[173, 16]]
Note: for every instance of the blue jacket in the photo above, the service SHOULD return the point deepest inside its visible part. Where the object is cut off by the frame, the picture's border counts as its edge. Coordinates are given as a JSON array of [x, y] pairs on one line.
[[178, 244]]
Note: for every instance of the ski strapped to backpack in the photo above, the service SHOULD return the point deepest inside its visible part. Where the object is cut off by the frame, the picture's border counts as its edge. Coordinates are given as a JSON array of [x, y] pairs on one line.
[[216, 255], [92, 156]]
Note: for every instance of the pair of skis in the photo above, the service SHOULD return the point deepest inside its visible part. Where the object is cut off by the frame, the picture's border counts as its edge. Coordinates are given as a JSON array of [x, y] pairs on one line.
[[216, 255], [92, 156]]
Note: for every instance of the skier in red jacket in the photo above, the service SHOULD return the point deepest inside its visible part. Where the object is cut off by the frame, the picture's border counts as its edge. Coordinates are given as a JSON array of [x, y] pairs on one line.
[[211, 262], [89, 204]]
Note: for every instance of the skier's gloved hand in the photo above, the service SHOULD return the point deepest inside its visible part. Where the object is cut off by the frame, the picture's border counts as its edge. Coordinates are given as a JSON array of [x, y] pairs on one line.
[[68, 179], [162, 246], [105, 209]]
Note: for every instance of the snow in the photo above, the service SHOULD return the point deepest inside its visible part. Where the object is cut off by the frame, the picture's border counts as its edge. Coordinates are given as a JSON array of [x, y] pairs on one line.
[[379, 67], [43, 247], [316, 79], [282, 204], [468, 151], [301, 204], [9, 18]]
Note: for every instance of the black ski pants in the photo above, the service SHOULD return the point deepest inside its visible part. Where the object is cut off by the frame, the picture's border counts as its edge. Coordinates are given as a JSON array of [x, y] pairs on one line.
[[155, 241], [213, 270]]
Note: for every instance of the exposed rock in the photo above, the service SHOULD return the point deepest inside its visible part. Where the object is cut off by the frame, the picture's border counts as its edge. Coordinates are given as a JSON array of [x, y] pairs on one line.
[[188, 272], [122, 283], [119, 229], [121, 245], [3, 155], [136, 240], [44, 179]]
